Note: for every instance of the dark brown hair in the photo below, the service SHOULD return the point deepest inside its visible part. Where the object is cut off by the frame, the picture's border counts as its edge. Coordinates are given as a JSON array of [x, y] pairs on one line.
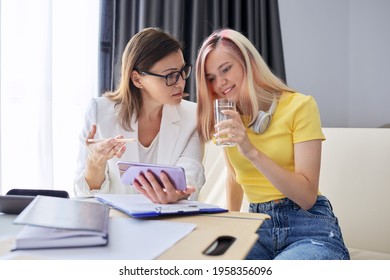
[[142, 51]]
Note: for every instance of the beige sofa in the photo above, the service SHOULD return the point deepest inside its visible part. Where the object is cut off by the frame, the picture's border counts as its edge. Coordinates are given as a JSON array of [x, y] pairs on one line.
[[355, 176]]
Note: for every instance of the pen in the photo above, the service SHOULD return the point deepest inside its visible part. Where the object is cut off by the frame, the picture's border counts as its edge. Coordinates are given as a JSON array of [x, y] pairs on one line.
[[117, 140], [177, 208]]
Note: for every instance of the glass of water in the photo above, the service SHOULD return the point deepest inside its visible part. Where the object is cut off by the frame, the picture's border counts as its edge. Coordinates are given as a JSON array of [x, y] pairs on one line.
[[220, 105]]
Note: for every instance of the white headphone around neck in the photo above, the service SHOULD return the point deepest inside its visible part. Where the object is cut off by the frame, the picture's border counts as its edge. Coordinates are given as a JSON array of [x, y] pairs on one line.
[[263, 119]]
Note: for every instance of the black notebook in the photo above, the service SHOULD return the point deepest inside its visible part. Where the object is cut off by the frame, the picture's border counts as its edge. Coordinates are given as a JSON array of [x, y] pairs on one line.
[[53, 222]]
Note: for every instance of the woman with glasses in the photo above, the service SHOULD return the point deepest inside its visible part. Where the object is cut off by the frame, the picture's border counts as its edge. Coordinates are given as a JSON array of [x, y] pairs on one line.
[[147, 107]]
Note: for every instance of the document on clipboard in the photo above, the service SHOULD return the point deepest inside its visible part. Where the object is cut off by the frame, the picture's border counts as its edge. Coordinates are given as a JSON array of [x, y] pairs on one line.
[[138, 206]]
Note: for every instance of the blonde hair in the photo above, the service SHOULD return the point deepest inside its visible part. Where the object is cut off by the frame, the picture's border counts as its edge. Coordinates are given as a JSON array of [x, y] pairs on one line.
[[260, 85], [142, 51]]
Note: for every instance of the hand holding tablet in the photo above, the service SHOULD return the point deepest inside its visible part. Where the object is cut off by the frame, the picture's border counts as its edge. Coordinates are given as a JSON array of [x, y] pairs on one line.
[[131, 170]]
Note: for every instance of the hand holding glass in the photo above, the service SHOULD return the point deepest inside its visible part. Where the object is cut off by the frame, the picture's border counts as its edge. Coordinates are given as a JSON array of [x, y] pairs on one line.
[[220, 105]]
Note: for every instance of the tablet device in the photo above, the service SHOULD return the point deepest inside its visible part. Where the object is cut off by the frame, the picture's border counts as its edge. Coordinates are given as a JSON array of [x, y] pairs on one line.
[[14, 204], [130, 170]]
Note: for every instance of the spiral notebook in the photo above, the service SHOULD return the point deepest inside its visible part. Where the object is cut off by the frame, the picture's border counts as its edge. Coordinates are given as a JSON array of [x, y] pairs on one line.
[[53, 222]]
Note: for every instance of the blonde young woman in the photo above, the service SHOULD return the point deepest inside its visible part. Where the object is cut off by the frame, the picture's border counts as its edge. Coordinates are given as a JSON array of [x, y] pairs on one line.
[[147, 106], [276, 159]]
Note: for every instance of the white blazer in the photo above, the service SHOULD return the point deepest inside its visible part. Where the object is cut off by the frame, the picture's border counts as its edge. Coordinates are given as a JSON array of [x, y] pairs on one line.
[[179, 144]]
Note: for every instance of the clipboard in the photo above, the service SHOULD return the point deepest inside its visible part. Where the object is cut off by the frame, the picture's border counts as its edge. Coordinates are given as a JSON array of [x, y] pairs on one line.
[[138, 206]]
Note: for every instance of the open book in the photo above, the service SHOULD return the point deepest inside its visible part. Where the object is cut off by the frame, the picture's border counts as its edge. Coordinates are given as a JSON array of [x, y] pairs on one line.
[[52, 222], [138, 206]]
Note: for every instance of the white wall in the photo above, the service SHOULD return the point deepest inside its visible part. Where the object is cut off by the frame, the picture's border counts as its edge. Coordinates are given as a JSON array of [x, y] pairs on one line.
[[338, 51]]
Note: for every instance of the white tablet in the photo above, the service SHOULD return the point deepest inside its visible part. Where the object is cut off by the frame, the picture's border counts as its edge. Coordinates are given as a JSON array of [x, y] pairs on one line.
[[130, 170]]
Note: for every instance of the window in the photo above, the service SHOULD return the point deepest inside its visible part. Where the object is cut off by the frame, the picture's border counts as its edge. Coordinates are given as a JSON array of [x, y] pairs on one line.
[[48, 75]]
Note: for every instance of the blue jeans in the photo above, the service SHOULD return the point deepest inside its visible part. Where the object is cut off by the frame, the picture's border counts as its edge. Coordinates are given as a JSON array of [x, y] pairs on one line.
[[296, 234]]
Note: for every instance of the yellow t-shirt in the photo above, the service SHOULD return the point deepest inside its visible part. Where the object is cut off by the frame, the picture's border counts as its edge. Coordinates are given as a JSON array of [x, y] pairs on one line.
[[295, 120]]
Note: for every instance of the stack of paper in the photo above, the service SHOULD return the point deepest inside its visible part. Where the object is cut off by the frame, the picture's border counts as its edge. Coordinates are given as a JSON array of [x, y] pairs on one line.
[[130, 239]]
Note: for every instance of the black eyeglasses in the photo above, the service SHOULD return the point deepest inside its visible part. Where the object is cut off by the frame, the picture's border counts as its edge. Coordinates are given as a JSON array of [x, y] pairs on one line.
[[173, 77]]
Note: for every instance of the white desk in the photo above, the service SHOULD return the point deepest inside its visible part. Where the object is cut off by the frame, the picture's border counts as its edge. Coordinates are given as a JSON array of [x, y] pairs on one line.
[[241, 226]]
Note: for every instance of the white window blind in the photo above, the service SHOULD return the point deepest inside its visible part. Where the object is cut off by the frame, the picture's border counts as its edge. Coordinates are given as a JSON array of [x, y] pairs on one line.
[[48, 75]]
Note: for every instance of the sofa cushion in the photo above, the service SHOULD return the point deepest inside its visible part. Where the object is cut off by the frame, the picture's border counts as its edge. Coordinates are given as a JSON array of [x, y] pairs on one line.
[[355, 177], [357, 254]]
